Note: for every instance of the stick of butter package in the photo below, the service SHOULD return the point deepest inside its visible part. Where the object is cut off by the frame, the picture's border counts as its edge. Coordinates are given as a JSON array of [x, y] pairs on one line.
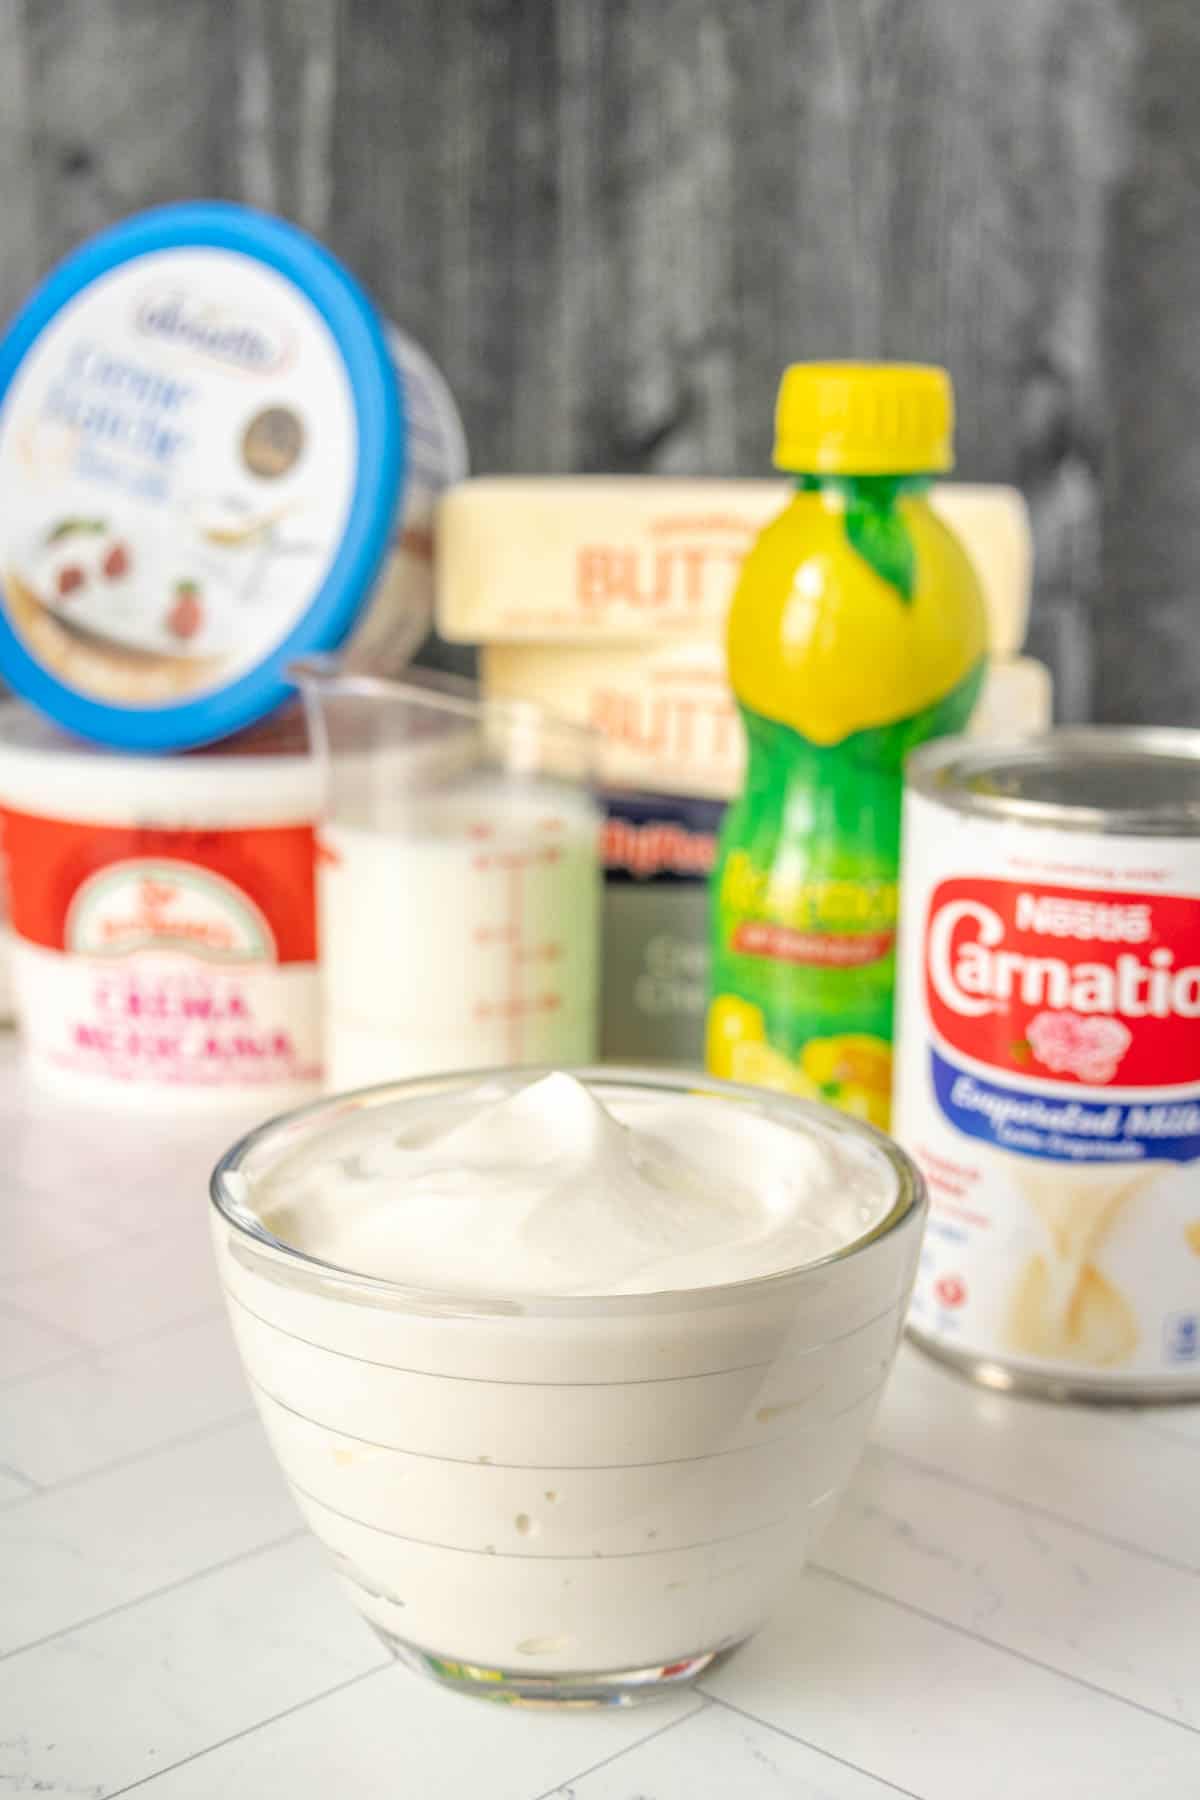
[[667, 717], [663, 710], [616, 559]]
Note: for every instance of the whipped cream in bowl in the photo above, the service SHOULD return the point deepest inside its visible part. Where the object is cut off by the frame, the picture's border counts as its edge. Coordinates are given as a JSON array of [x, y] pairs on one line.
[[566, 1371]]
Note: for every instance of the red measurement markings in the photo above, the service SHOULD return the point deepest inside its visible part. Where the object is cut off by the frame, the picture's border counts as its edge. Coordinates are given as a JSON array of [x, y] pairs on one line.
[[548, 952], [517, 1005], [494, 934], [516, 897]]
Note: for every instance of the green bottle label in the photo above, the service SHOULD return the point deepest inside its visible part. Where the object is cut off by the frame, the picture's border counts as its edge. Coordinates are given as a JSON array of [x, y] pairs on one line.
[[804, 908]]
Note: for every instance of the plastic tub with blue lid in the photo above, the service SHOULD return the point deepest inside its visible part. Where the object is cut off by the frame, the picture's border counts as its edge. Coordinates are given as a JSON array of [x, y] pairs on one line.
[[214, 458]]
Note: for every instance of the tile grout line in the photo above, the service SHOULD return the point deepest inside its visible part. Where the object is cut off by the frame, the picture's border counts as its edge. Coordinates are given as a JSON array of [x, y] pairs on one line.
[[819, 1749], [1028, 1506], [569, 1781], [213, 1429], [71, 1340], [86, 1352], [235, 1737], [168, 1587], [1160, 1428], [1023, 1656], [11, 1281], [15, 1474]]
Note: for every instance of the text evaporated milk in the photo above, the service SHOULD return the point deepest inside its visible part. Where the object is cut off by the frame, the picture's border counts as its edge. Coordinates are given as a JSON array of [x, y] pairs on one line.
[[1048, 1070]]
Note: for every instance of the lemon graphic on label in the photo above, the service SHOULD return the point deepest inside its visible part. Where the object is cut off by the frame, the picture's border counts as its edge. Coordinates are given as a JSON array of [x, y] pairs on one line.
[[731, 1022], [759, 1065], [864, 1103], [853, 1060], [789, 652]]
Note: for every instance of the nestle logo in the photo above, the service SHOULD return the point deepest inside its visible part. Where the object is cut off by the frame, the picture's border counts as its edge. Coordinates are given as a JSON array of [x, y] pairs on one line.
[[1113, 996], [212, 330], [1080, 916]]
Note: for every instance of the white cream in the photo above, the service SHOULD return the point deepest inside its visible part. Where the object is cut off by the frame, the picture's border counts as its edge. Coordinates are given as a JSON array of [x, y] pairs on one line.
[[550, 1192], [521, 1480]]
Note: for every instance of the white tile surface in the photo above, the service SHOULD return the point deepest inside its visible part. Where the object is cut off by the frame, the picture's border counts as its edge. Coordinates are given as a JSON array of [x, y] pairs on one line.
[[41, 1231], [1008, 1606], [1112, 1617], [941, 1713], [45, 1162], [717, 1755], [71, 1555], [30, 1344], [146, 1687], [1174, 1422], [122, 1402], [390, 1736], [123, 1293], [1075, 1464], [13, 1486]]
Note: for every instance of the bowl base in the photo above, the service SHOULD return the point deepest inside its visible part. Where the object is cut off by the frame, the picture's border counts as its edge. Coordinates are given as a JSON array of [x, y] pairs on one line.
[[513, 1687]]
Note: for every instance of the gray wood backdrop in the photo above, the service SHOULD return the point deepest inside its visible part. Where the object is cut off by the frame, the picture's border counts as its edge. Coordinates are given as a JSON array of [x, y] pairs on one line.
[[613, 220]]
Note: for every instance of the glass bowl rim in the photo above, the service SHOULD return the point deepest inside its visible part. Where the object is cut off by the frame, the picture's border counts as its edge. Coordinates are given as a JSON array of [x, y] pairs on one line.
[[911, 1198]]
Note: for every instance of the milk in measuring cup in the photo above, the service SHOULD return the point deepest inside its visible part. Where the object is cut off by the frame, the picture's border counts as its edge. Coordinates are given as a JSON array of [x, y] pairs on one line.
[[1049, 1068], [463, 937]]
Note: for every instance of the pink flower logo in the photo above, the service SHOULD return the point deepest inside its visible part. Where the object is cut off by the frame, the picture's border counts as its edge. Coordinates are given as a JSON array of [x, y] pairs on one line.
[[1089, 1049]]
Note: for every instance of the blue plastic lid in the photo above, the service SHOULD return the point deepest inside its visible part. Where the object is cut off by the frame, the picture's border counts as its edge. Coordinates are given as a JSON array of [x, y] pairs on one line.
[[202, 448]]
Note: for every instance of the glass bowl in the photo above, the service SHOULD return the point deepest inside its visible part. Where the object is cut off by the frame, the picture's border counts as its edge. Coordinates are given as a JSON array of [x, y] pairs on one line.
[[563, 1500]]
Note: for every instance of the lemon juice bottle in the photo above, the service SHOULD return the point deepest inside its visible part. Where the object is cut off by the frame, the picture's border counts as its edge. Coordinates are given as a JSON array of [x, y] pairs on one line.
[[856, 632]]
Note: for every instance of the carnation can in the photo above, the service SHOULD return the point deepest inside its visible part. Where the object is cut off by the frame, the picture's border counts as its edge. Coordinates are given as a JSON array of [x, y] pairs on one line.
[[1048, 1068]]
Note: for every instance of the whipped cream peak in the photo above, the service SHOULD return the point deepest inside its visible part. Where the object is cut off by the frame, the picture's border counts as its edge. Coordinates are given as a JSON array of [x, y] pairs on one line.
[[549, 1191]]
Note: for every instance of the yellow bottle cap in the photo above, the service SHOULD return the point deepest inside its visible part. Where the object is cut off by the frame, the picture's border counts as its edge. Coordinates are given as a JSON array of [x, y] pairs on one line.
[[864, 419]]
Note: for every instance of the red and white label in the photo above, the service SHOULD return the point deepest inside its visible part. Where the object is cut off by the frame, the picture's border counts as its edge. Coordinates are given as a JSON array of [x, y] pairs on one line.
[[1048, 1083], [185, 958], [1067, 983]]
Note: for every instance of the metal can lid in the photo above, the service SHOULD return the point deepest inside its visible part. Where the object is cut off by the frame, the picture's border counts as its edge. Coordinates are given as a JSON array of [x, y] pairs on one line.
[[1139, 780]]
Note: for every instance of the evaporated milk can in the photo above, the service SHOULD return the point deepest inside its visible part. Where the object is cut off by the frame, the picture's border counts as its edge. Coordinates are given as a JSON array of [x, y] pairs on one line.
[[1048, 1058]]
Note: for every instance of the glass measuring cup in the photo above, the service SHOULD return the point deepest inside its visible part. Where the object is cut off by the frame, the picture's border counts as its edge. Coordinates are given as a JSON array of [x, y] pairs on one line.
[[458, 878]]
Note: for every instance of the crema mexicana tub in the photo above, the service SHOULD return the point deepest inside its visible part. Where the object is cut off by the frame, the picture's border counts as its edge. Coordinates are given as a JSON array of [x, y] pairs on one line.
[[162, 915]]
